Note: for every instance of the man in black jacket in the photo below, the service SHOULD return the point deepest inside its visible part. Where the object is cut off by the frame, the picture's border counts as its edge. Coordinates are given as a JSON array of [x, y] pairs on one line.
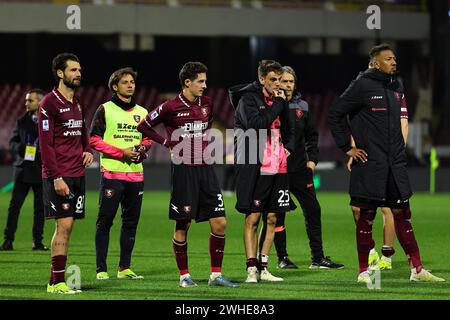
[[262, 186], [301, 165], [27, 173], [379, 177]]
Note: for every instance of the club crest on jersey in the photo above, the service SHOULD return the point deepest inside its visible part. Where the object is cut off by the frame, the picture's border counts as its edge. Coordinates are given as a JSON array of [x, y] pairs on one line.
[[137, 118], [65, 206], [109, 193], [299, 113], [204, 111], [187, 209]]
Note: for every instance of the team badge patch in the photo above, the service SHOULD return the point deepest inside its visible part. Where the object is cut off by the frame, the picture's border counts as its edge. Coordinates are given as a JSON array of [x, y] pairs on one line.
[[109, 193], [204, 111], [137, 118], [65, 206], [257, 203], [187, 209], [299, 113]]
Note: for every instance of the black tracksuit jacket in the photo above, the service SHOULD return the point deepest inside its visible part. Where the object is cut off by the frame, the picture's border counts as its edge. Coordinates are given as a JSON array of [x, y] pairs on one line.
[[306, 136], [26, 133], [372, 104], [253, 113]]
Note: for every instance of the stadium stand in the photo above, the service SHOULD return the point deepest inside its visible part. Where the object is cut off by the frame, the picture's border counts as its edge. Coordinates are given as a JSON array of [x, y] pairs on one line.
[[353, 5], [92, 96]]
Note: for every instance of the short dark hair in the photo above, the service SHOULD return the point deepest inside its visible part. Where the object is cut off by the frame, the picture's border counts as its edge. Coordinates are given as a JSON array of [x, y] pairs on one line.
[[60, 62], [118, 74], [39, 92], [190, 71], [377, 49], [266, 66]]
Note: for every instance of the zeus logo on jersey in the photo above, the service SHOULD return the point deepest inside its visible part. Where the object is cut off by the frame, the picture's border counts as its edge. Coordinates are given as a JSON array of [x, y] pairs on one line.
[[126, 126], [64, 110], [72, 123]]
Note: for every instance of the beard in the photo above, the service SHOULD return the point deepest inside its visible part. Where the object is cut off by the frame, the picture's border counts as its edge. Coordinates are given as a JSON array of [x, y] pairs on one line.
[[71, 83]]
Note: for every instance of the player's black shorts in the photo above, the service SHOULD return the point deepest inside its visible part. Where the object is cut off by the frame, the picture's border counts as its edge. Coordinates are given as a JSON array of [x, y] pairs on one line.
[[195, 194], [393, 198], [272, 194], [56, 207]]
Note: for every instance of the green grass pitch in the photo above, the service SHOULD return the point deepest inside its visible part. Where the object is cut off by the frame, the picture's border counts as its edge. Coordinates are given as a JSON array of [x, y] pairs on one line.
[[24, 273]]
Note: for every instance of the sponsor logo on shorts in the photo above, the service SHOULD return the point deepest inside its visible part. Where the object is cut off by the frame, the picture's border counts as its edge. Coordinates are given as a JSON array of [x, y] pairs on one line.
[[137, 118], [141, 193], [65, 206], [257, 203], [219, 209], [109, 193], [187, 209], [378, 109], [174, 207], [262, 107], [376, 97], [310, 185], [53, 206]]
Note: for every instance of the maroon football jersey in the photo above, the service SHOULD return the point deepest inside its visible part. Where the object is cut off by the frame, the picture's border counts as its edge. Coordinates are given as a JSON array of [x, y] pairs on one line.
[[404, 107], [62, 136], [192, 118]]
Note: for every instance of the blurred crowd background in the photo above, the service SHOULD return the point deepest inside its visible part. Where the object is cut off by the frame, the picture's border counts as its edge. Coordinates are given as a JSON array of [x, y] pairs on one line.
[[326, 42]]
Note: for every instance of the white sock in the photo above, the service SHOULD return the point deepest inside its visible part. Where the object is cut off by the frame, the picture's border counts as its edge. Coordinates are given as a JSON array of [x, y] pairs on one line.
[[264, 258], [186, 275], [214, 275]]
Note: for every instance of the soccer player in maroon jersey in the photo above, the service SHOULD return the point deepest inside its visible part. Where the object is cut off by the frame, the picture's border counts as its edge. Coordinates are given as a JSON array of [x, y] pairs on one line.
[[65, 150], [195, 191]]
